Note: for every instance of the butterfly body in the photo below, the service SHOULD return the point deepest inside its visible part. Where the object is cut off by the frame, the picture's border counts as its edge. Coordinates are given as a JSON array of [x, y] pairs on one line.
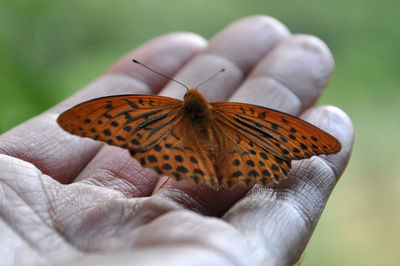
[[220, 144]]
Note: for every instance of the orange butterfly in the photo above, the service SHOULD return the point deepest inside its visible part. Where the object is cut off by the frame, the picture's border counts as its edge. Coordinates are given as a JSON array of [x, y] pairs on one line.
[[221, 144]]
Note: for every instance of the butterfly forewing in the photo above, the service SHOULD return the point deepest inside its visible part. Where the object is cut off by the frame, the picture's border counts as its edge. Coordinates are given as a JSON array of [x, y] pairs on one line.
[[135, 122], [285, 136]]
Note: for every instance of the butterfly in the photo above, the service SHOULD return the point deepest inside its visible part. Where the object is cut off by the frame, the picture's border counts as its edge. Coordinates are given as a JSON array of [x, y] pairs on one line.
[[221, 144]]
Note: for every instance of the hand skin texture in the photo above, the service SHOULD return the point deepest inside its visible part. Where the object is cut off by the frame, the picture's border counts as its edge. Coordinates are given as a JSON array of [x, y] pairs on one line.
[[66, 199]]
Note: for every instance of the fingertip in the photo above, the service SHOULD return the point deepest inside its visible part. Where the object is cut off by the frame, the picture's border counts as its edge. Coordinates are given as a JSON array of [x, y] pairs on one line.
[[302, 63], [333, 120], [337, 123], [237, 48], [166, 53], [290, 77], [245, 41]]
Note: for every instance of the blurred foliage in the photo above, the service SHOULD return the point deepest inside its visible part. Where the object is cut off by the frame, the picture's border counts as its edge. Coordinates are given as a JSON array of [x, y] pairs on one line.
[[50, 49]]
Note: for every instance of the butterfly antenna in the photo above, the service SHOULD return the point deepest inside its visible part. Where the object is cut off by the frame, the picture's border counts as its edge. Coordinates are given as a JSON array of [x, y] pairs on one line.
[[210, 78], [152, 70]]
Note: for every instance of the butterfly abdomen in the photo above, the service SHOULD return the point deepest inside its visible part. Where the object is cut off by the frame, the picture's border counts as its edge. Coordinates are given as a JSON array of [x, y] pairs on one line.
[[199, 112]]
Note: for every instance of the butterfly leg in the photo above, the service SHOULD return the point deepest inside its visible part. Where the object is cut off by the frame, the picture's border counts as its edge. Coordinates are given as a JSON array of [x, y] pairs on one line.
[[164, 182]]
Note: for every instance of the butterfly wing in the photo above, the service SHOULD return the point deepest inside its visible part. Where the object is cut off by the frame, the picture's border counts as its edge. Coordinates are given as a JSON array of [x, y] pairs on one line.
[[152, 128], [260, 143], [135, 122], [254, 144], [180, 154]]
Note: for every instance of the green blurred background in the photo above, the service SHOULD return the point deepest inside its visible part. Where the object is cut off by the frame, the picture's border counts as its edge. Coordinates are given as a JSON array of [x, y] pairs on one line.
[[50, 49]]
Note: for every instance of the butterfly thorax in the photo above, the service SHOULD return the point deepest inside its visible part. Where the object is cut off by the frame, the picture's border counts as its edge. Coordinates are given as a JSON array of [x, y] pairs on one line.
[[197, 107]]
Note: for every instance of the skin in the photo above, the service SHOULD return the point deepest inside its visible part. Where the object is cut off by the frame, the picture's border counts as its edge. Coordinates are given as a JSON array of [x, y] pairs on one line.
[[64, 198]]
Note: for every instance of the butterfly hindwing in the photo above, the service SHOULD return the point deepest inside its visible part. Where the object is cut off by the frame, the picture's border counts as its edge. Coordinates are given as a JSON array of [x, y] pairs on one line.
[[244, 161], [180, 155]]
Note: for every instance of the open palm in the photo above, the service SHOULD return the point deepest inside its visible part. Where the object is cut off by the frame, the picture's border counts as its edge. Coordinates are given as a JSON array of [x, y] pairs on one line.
[[65, 198]]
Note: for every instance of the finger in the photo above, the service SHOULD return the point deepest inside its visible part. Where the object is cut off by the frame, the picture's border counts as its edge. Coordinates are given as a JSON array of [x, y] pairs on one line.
[[167, 54], [281, 219], [114, 168], [291, 77], [237, 48], [63, 156]]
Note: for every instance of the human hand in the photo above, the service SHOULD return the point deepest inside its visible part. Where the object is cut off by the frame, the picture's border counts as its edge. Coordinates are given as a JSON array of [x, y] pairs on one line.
[[65, 198]]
